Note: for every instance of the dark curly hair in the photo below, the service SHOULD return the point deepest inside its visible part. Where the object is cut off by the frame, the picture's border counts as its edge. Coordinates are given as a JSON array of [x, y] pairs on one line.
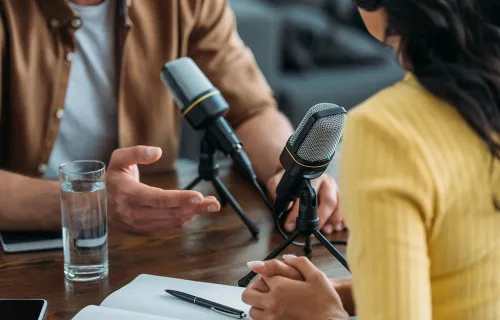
[[453, 48]]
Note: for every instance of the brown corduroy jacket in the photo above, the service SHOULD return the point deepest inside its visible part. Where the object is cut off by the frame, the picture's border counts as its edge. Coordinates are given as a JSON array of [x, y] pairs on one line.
[[36, 42]]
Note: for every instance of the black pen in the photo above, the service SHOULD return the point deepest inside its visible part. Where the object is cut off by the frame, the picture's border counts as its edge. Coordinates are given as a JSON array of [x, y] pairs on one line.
[[215, 307]]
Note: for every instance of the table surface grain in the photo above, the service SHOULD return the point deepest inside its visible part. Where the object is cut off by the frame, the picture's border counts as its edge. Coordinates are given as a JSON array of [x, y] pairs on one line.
[[214, 248]]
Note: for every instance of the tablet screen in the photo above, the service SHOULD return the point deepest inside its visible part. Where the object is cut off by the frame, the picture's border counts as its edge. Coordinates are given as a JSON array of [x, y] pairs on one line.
[[22, 309]]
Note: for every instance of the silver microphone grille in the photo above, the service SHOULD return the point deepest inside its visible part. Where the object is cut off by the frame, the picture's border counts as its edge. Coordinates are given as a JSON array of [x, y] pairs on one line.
[[191, 80], [324, 136], [317, 108]]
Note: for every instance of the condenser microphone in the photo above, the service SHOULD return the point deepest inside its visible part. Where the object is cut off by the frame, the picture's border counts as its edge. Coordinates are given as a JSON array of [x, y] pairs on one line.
[[204, 106], [309, 151], [306, 156]]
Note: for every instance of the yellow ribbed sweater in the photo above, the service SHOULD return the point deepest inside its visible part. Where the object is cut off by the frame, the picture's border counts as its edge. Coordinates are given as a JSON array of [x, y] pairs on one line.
[[417, 188]]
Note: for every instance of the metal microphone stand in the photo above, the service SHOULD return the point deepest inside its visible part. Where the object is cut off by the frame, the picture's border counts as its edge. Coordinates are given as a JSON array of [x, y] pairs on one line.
[[307, 225], [208, 170]]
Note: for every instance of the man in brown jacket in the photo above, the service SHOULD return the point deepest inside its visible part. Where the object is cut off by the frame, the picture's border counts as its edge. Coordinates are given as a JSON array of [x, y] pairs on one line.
[[80, 79]]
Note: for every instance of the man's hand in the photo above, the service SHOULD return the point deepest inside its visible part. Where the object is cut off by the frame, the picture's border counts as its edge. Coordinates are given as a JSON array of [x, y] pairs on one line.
[[314, 297], [144, 209], [329, 213]]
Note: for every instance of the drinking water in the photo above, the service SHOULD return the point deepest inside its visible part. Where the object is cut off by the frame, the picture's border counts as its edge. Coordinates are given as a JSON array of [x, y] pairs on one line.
[[85, 230]]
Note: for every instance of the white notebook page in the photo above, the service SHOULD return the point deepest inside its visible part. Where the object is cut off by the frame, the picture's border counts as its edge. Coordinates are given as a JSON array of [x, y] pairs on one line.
[[146, 294], [102, 313]]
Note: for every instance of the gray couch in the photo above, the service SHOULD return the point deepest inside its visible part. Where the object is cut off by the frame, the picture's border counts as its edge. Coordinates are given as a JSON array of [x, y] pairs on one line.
[[262, 26]]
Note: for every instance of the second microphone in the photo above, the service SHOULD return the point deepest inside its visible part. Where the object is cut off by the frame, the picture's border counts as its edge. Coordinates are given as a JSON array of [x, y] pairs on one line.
[[203, 106]]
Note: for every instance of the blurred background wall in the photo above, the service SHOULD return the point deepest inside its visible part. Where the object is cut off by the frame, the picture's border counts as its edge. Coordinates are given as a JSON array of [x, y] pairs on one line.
[[310, 51]]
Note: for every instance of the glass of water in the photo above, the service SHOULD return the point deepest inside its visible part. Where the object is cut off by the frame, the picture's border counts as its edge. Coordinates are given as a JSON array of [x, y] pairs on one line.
[[84, 220]]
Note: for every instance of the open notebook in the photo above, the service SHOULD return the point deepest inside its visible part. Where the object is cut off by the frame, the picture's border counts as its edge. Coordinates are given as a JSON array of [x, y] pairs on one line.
[[145, 298]]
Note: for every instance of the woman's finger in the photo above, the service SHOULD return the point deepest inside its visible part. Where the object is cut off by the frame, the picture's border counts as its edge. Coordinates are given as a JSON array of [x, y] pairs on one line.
[[255, 298], [258, 314], [260, 285], [303, 265], [275, 267]]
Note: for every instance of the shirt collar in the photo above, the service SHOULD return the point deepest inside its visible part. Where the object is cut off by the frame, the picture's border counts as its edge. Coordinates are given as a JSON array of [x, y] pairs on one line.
[[59, 12]]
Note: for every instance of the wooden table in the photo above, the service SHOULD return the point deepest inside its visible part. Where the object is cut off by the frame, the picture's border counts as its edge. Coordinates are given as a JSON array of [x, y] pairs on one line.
[[214, 248]]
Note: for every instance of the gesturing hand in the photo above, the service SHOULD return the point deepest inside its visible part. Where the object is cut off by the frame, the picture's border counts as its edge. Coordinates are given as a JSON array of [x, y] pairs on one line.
[[144, 209], [328, 210], [313, 298]]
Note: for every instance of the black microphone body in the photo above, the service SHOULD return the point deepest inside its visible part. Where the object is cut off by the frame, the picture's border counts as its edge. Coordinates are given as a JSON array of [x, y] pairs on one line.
[[287, 190], [308, 152], [203, 106], [224, 136]]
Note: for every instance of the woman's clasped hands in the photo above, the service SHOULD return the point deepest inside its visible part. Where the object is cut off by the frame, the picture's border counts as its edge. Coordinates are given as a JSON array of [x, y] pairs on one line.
[[293, 290]]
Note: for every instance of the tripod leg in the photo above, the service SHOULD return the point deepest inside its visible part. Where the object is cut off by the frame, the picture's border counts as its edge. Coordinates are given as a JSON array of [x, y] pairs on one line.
[[220, 193], [307, 245], [331, 248], [193, 184], [246, 279], [253, 228]]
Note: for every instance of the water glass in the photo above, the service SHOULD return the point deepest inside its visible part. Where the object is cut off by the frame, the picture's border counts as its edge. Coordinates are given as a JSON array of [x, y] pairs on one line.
[[84, 220]]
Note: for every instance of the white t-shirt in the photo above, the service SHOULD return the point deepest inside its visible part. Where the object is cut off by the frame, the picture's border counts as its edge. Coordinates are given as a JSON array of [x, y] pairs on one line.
[[89, 125]]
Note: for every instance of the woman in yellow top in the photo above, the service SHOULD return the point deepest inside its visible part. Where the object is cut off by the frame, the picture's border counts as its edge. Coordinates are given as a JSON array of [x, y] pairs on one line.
[[419, 179]]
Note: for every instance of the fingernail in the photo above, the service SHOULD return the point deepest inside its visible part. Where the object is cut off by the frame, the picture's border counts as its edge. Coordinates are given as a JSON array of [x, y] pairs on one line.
[[255, 265], [339, 227], [150, 152], [290, 226], [195, 200], [212, 208], [289, 256], [328, 229]]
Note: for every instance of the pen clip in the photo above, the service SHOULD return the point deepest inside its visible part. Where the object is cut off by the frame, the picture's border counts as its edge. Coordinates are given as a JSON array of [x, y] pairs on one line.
[[229, 314]]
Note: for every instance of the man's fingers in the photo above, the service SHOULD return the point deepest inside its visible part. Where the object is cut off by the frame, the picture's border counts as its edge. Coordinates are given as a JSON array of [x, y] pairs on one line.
[[291, 220], [158, 225], [327, 195], [336, 220], [275, 267], [171, 224], [146, 214], [163, 199], [303, 265], [148, 220], [154, 227], [126, 157], [272, 183]]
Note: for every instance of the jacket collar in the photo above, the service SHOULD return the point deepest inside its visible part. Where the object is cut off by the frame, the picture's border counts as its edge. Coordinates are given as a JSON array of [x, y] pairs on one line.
[[124, 9], [59, 12]]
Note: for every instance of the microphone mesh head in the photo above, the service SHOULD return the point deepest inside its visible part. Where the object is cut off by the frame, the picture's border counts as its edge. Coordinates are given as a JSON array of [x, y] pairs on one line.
[[317, 108], [191, 80], [324, 136]]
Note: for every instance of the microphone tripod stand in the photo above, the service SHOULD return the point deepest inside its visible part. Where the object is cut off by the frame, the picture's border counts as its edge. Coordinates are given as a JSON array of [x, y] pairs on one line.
[[208, 170], [307, 225]]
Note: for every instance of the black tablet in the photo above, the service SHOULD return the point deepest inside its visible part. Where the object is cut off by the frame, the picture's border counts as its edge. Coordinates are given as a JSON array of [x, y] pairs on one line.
[[15, 241], [24, 241], [25, 309]]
